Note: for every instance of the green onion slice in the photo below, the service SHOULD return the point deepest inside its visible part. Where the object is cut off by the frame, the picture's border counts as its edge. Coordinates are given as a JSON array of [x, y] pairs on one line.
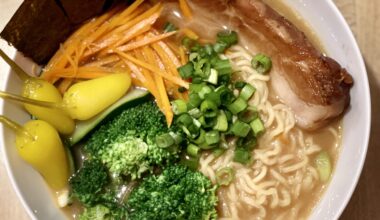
[[165, 140], [224, 176], [261, 63], [247, 91], [240, 129], [237, 106], [179, 106]]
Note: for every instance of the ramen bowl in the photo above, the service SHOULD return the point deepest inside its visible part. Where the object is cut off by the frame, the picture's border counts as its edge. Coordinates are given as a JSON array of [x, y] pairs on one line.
[[339, 43]]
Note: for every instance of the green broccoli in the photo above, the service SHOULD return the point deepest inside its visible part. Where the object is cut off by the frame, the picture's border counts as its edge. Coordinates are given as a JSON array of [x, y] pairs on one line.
[[98, 212], [92, 186], [102, 212], [127, 143], [177, 193], [88, 183]]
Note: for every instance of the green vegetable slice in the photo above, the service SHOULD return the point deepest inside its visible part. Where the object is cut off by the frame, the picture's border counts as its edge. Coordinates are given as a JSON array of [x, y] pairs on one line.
[[224, 176], [85, 127], [323, 163]]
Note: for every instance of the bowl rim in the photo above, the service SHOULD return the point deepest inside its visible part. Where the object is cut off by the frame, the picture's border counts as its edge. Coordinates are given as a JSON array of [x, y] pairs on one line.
[[367, 130], [355, 176]]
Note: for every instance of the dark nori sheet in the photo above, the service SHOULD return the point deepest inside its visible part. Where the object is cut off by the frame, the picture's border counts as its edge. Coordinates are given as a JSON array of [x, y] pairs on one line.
[[39, 26], [78, 13]]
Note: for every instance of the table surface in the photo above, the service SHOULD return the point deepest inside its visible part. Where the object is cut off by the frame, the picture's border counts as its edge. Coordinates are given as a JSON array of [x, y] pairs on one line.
[[363, 17]]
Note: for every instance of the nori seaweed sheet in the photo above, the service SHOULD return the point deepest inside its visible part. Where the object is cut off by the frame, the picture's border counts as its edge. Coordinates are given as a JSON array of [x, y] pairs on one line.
[[77, 13], [39, 26]]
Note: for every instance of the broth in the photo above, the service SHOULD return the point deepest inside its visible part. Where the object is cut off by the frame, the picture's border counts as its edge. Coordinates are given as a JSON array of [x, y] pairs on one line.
[[282, 182]]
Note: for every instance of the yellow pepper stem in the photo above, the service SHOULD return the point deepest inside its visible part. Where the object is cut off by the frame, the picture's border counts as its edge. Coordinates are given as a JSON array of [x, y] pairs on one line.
[[18, 98], [20, 72], [14, 126]]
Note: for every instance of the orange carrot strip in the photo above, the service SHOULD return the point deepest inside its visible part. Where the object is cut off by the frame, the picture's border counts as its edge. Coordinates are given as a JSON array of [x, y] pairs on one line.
[[136, 28], [130, 21], [135, 72], [149, 78], [183, 55], [173, 79], [113, 22], [171, 62], [121, 38], [64, 85], [104, 61], [190, 34], [165, 104], [186, 11], [144, 41]]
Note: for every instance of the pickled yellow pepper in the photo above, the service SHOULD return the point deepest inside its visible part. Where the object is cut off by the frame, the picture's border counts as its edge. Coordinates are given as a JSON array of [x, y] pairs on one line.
[[39, 144], [42, 90]]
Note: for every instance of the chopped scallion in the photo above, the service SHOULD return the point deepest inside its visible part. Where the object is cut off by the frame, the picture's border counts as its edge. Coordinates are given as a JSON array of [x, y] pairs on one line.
[[209, 109], [195, 113], [191, 162], [220, 47], [248, 115], [323, 164], [247, 91], [261, 63], [212, 137], [179, 106], [214, 97], [240, 129], [242, 156], [237, 106], [164, 140], [185, 119], [228, 37], [192, 150], [201, 138], [207, 122], [221, 122], [194, 101], [186, 71], [257, 127], [222, 66], [204, 90], [224, 176], [213, 77]]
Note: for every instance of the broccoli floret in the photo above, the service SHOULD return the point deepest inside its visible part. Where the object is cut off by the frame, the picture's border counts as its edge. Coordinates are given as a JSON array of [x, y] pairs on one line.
[[98, 212], [88, 183], [177, 193], [127, 143]]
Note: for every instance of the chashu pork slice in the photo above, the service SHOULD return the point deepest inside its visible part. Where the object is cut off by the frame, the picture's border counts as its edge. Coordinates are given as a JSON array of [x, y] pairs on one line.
[[313, 85]]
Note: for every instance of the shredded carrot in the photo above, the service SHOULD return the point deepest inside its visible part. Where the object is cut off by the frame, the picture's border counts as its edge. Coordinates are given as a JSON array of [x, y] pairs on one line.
[[165, 104], [145, 41], [171, 88], [151, 86], [121, 38], [186, 11], [135, 72], [130, 21], [106, 26], [170, 61], [104, 61], [183, 55], [173, 79], [64, 85], [190, 34]]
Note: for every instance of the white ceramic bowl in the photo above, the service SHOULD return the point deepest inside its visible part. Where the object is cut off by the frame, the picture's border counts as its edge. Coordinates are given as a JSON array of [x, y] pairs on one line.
[[334, 34]]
